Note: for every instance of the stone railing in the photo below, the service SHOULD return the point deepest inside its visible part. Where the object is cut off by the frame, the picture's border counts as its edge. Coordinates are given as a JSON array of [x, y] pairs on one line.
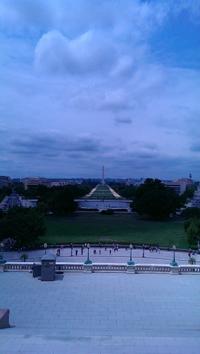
[[69, 267], [18, 266], [105, 267]]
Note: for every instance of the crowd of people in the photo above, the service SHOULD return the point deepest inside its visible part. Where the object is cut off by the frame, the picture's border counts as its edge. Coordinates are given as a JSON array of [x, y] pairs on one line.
[[98, 250]]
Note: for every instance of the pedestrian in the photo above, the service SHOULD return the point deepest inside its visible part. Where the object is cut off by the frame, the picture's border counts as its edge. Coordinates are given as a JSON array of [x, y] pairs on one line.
[[76, 252], [110, 251]]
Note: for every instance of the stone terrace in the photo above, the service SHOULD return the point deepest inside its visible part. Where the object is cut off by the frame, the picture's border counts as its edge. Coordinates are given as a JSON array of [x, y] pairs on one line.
[[101, 314]]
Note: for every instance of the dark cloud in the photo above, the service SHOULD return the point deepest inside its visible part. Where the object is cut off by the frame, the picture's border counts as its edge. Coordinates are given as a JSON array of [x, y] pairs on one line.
[[53, 146], [123, 120], [195, 147]]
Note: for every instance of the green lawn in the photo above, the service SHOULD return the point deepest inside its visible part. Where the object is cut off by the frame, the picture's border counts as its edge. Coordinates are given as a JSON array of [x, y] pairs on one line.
[[108, 228]]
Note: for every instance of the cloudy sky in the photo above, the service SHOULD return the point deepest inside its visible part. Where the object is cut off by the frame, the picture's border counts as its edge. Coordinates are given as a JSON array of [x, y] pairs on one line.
[[86, 83]]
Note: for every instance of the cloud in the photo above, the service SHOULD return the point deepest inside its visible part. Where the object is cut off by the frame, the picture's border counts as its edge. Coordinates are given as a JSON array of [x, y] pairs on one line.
[[53, 145], [89, 52], [23, 15], [89, 76], [116, 99], [123, 120], [195, 147]]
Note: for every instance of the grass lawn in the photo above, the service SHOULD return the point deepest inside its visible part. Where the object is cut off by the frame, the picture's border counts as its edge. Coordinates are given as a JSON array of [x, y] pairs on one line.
[[93, 227]]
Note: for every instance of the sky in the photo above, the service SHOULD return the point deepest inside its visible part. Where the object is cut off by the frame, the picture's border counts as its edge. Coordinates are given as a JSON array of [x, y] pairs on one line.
[[86, 83]]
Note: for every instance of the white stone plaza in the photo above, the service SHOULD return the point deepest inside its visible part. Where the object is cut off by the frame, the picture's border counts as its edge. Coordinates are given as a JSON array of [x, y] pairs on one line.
[[101, 314], [105, 255]]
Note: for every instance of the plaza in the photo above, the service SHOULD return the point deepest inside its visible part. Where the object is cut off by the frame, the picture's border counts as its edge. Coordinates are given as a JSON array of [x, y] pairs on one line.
[[105, 255], [101, 313]]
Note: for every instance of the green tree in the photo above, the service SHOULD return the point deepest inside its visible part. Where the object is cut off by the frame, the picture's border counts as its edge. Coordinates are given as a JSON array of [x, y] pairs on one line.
[[189, 213], [24, 225], [59, 200], [192, 229], [188, 194], [155, 200]]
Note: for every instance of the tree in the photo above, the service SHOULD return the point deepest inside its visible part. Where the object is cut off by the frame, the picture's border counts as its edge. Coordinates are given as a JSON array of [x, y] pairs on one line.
[[188, 194], [24, 225], [192, 229], [59, 200], [189, 213], [155, 200]]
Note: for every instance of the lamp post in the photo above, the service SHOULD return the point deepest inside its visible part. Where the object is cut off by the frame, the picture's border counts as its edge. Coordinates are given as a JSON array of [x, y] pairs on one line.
[[45, 248], [198, 244], [174, 263], [143, 248], [1, 247], [88, 261], [130, 262]]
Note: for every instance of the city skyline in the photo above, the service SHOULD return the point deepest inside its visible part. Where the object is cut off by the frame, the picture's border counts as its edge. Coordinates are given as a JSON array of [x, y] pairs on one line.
[[92, 83]]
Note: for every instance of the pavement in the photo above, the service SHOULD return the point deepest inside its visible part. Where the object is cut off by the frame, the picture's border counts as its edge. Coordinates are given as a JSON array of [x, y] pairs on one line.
[[105, 255], [101, 314]]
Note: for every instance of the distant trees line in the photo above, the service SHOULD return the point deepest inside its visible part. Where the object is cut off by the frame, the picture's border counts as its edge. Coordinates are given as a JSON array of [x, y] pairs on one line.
[[152, 199]]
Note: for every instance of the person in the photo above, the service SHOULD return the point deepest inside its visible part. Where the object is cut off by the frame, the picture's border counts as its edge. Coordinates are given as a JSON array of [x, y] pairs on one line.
[[99, 251], [110, 251], [76, 252], [94, 251]]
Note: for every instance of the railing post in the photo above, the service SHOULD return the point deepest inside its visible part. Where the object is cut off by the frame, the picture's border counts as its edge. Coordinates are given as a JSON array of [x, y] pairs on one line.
[[175, 270]]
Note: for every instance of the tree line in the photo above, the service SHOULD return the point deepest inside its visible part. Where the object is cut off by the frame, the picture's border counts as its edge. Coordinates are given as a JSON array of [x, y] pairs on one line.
[[152, 200]]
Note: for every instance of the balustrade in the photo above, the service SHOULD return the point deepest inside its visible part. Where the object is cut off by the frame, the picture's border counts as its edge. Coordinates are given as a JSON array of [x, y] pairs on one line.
[[106, 267]]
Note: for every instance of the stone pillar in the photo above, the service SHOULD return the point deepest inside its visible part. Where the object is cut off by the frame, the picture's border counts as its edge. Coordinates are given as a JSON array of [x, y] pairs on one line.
[[175, 270]]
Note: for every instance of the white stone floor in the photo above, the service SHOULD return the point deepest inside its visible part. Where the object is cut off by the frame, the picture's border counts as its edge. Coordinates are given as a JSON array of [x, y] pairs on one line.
[[103, 256], [101, 314]]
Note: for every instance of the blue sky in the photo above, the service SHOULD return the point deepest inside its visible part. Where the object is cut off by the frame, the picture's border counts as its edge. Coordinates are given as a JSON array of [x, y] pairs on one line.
[[86, 83]]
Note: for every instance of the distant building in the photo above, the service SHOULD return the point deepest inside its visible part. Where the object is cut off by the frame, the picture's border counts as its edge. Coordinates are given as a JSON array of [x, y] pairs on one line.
[[180, 185], [15, 200], [102, 198], [35, 181], [5, 181]]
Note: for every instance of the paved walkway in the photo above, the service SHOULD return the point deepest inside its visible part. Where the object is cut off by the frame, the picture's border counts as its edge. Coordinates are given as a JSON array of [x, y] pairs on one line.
[[105, 255], [101, 314]]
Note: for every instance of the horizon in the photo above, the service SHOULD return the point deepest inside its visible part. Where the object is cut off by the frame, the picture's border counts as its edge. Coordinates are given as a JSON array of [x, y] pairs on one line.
[[99, 178]]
